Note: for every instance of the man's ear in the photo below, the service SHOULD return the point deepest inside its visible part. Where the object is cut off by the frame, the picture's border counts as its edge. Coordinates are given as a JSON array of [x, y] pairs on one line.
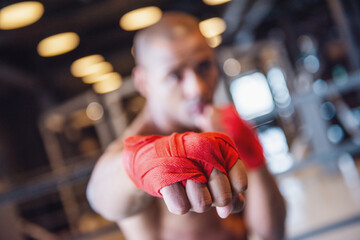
[[139, 78]]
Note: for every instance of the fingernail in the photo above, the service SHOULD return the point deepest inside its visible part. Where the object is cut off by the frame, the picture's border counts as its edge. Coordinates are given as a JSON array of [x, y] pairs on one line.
[[224, 212]]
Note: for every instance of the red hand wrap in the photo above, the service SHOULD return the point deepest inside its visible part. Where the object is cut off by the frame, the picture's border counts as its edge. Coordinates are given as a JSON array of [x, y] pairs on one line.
[[154, 162], [245, 138]]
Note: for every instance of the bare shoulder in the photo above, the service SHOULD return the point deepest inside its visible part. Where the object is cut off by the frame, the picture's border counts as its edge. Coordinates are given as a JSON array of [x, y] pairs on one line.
[[142, 125]]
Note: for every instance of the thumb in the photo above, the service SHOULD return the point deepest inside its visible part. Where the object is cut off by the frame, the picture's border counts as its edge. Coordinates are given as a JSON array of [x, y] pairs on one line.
[[208, 120], [201, 122]]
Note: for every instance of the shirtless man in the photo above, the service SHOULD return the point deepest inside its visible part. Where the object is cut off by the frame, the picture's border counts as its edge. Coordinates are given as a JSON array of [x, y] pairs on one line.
[[176, 72]]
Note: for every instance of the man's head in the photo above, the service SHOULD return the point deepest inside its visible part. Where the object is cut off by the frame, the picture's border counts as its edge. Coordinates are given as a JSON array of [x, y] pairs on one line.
[[175, 69]]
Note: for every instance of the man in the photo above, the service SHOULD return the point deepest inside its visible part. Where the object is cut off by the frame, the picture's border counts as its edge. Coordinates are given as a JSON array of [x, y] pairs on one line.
[[178, 155]]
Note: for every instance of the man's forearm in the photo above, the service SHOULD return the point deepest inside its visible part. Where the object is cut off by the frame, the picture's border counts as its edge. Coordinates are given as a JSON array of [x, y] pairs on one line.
[[265, 207], [110, 191]]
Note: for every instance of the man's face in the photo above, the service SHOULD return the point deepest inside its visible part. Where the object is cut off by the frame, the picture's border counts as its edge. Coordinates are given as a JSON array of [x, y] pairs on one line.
[[180, 77]]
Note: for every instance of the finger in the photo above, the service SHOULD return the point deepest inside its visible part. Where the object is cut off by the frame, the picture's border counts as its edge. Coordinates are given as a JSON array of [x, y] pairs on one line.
[[225, 211], [238, 203], [204, 120], [198, 195], [238, 177], [175, 198], [209, 110], [220, 188]]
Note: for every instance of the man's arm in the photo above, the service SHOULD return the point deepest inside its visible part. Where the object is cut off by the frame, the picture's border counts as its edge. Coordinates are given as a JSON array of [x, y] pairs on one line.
[[110, 191], [265, 210], [208, 162]]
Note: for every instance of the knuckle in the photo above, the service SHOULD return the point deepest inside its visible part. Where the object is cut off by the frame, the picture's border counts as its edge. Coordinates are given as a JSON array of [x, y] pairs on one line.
[[202, 206], [243, 179], [238, 204], [179, 210], [241, 188], [223, 200]]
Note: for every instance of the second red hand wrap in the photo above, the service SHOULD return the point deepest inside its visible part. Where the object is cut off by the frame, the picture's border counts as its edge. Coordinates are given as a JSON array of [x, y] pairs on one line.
[[153, 162], [245, 138]]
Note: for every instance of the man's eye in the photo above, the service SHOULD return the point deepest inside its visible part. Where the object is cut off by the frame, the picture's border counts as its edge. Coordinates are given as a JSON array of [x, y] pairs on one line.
[[174, 76], [204, 66]]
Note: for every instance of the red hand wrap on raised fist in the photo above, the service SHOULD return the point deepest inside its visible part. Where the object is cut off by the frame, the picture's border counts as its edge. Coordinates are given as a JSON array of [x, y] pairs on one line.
[[245, 139], [153, 162]]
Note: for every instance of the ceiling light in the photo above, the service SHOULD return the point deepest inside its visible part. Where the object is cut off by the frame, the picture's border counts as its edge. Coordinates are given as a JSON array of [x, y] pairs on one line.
[[79, 67], [215, 2], [132, 51], [214, 41], [20, 14], [107, 85], [140, 18], [212, 27], [101, 77], [58, 44], [97, 69]]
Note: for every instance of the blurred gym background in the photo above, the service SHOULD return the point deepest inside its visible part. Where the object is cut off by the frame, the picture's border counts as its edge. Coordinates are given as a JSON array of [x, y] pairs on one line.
[[291, 67]]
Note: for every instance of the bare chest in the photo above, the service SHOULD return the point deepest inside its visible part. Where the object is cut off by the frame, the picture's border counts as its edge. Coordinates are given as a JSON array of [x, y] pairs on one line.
[[194, 226], [157, 223]]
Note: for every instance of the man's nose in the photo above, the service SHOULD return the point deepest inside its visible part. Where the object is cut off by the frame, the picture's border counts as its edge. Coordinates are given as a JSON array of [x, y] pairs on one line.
[[194, 85]]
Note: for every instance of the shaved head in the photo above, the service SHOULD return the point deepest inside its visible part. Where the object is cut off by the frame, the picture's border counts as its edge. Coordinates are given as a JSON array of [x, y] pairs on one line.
[[172, 27], [175, 70]]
